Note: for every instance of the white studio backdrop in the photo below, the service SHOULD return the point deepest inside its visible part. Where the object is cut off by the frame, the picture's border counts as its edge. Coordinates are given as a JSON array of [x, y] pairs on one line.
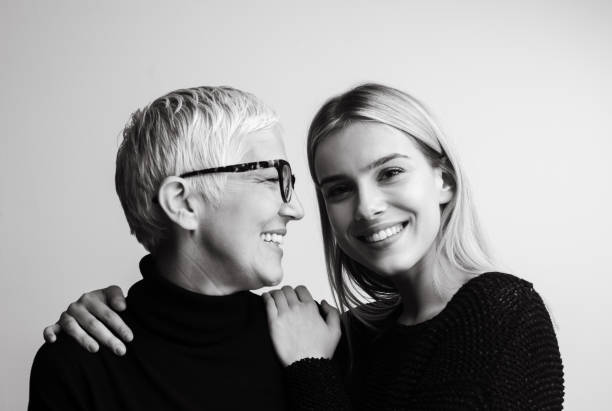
[[522, 87]]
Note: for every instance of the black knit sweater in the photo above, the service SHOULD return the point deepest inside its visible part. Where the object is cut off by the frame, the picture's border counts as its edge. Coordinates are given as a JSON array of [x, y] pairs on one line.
[[493, 347], [190, 352]]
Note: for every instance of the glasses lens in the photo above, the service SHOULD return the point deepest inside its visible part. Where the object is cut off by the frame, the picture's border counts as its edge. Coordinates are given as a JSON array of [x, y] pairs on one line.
[[286, 175]]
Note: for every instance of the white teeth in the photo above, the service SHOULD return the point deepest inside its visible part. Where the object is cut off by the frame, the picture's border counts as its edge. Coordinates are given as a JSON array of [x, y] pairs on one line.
[[385, 233], [272, 238]]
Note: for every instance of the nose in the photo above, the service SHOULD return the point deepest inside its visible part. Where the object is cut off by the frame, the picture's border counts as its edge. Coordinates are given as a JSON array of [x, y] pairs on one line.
[[370, 204], [293, 209]]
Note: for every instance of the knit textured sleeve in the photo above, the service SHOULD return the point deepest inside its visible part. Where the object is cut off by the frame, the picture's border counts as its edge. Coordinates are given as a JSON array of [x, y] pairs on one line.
[[529, 375], [315, 384]]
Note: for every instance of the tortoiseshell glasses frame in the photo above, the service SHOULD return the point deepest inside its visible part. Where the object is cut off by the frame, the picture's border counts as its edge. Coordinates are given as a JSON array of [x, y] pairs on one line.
[[286, 180]]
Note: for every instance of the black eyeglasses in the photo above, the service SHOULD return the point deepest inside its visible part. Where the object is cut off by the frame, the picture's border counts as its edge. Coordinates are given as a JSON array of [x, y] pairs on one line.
[[286, 180]]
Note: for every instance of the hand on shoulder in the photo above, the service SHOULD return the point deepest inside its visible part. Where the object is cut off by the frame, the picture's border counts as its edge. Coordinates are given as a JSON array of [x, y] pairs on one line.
[[92, 319], [297, 327]]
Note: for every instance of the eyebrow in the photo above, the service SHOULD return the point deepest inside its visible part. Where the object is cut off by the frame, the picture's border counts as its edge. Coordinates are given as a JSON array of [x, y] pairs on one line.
[[376, 163]]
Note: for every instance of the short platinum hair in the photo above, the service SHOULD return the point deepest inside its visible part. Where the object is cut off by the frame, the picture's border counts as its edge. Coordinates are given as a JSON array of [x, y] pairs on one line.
[[184, 130]]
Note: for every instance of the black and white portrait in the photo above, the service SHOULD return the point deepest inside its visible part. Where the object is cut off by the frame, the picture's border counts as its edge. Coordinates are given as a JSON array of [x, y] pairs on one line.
[[305, 205]]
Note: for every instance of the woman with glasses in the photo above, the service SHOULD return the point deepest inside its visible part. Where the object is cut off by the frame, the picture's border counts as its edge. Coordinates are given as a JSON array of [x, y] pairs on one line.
[[201, 337], [441, 328]]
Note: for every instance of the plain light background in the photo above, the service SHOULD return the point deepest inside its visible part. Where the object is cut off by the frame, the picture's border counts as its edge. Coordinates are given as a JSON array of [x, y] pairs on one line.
[[523, 88]]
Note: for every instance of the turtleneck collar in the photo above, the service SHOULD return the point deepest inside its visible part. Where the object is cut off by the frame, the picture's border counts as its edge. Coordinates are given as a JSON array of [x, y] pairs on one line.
[[188, 317]]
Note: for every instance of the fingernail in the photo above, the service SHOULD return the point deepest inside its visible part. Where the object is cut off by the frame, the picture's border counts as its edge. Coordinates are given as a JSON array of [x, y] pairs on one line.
[[92, 348], [119, 350]]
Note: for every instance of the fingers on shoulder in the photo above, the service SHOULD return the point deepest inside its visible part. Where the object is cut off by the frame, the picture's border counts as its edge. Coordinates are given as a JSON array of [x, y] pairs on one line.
[[280, 300], [115, 297], [303, 294], [270, 305], [114, 322], [50, 332], [71, 327], [113, 291], [290, 295], [289, 298], [332, 315], [90, 297]]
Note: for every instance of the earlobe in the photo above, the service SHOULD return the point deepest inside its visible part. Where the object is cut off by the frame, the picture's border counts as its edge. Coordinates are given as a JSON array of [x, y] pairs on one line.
[[447, 187], [174, 198]]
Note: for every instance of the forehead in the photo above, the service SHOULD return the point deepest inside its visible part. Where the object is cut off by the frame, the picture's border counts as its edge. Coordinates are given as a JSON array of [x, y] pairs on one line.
[[264, 145], [360, 144]]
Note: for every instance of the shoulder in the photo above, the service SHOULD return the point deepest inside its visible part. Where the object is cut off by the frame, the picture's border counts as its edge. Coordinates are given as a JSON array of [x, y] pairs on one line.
[[61, 374], [65, 356], [498, 289], [58, 374], [67, 359], [500, 297], [498, 281]]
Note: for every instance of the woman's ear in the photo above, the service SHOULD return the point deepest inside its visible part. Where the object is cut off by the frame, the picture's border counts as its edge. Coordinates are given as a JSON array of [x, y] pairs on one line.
[[174, 198], [446, 185]]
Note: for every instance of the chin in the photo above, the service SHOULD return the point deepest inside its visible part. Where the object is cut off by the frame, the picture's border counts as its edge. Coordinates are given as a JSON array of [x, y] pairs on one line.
[[271, 279], [275, 282], [390, 269]]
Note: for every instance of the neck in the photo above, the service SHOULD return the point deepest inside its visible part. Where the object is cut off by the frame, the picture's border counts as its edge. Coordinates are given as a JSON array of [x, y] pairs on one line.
[[187, 268], [421, 300]]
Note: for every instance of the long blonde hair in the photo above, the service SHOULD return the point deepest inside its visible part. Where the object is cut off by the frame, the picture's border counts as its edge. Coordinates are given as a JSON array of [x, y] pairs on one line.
[[459, 243]]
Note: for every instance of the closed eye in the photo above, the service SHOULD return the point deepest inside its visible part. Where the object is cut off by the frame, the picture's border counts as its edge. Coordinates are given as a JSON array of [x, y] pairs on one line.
[[267, 176]]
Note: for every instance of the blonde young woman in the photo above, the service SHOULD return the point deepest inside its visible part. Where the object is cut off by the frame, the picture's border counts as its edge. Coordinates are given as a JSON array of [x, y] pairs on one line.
[[442, 329]]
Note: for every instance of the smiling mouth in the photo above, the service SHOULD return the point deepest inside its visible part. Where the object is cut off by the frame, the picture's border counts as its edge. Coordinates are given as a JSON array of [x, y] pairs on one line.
[[383, 234], [273, 238]]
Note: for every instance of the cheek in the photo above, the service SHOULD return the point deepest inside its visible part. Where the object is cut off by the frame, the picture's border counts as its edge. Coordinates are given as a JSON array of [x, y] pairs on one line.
[[419, 196], [247, 214], [427, 213]]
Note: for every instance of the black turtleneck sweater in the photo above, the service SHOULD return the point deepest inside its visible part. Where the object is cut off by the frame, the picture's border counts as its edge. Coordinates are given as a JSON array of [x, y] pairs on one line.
[[190, 352]]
